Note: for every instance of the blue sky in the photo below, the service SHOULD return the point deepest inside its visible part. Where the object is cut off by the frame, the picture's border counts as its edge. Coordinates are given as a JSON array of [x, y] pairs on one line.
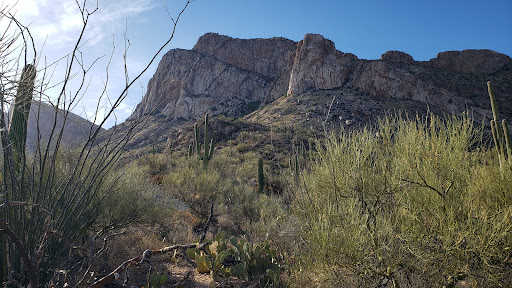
[[364, 28]]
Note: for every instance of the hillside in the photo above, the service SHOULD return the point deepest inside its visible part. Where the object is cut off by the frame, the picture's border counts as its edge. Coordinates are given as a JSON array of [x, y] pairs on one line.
[[272, 82], [76, 129]]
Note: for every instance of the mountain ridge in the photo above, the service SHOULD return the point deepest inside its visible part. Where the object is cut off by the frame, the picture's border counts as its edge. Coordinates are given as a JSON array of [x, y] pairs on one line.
[[329, 90], [233, 77]]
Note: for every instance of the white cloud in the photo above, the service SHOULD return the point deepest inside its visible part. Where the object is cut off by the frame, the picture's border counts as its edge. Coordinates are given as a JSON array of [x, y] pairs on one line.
[[61, 20], [57, 24]]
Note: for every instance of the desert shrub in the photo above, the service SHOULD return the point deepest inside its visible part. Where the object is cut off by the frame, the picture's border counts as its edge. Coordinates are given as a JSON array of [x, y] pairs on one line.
[[410, 202], [132, 199], [154, 164], [196, 187]]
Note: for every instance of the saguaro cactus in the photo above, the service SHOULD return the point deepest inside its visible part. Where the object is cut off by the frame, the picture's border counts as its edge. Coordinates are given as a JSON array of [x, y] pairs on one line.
[[209, 144], [20, 113], [500, 132]]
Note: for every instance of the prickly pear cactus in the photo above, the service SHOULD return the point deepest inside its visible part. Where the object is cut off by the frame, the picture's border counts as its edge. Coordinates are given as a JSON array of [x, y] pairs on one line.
[[232, 257]]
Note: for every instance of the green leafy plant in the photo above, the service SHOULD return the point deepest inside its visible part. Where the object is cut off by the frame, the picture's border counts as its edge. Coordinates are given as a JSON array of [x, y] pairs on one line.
[[408, 197], [226, 257]]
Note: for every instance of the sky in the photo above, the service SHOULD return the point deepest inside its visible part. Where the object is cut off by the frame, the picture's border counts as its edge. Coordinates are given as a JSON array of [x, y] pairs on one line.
[[366, 28]]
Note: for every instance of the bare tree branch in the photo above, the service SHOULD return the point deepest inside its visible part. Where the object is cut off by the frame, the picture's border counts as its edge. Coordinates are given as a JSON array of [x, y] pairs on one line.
[[153, 253]]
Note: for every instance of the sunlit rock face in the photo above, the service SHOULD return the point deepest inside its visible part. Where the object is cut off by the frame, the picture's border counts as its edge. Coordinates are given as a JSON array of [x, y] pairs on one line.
[[318, 65], [224, 75], [221, 75]]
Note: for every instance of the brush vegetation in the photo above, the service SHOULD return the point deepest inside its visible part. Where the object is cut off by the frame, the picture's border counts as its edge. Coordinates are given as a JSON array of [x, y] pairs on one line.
[[411, 202], [408, 202]]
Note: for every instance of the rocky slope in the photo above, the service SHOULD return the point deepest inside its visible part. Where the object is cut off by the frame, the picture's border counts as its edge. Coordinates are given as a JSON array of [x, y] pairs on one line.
[[275, 82], [40, 125], [234, 77]]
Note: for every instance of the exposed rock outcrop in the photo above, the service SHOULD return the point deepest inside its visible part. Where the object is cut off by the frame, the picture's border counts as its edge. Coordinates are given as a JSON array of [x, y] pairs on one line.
[[471, 61], [223, 75], [318, 65], [388, 80], [397, 56], [269, 57]]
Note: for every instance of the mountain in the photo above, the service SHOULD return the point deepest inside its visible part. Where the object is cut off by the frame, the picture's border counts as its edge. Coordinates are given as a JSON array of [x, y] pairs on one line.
[[223, 75], [266, 83], [42, 115]]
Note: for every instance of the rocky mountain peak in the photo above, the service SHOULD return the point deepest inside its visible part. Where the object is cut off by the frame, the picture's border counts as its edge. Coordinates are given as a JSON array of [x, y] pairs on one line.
[[220, 75], [471, 61], [230, 76], [265, 56], [396, 56], [319, 65]]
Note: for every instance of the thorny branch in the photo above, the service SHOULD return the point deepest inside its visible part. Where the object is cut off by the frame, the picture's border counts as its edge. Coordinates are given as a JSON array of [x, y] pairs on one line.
[[153, 253], [441, 194]]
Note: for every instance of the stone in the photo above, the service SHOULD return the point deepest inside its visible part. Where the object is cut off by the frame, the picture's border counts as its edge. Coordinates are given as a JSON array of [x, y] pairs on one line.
[[224, 75], [471, 61], [318, 65], [397, 57], [221, 75]]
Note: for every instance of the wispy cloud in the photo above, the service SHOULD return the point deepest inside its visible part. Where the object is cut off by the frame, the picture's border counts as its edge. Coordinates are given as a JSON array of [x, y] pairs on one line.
[[57, 25], [61, 20]]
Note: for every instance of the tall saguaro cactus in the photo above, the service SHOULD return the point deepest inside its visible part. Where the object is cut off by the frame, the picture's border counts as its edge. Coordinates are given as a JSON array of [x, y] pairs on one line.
[[20, 113], [500, 132], [209, 144]]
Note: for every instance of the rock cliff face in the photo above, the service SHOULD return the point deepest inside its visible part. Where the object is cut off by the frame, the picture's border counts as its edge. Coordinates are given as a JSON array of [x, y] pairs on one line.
[[396, 56], [471, 61], [222, 75], [318, 65]]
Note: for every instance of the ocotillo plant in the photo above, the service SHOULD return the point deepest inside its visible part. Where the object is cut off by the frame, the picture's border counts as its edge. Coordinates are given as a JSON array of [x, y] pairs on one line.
[[500, 132], [209, 144], [20, 112], [261, 176]]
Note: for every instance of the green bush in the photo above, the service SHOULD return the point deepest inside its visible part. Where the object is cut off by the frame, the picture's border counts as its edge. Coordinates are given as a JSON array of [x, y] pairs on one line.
[[410, 197], [197, 188], [133, 199]]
